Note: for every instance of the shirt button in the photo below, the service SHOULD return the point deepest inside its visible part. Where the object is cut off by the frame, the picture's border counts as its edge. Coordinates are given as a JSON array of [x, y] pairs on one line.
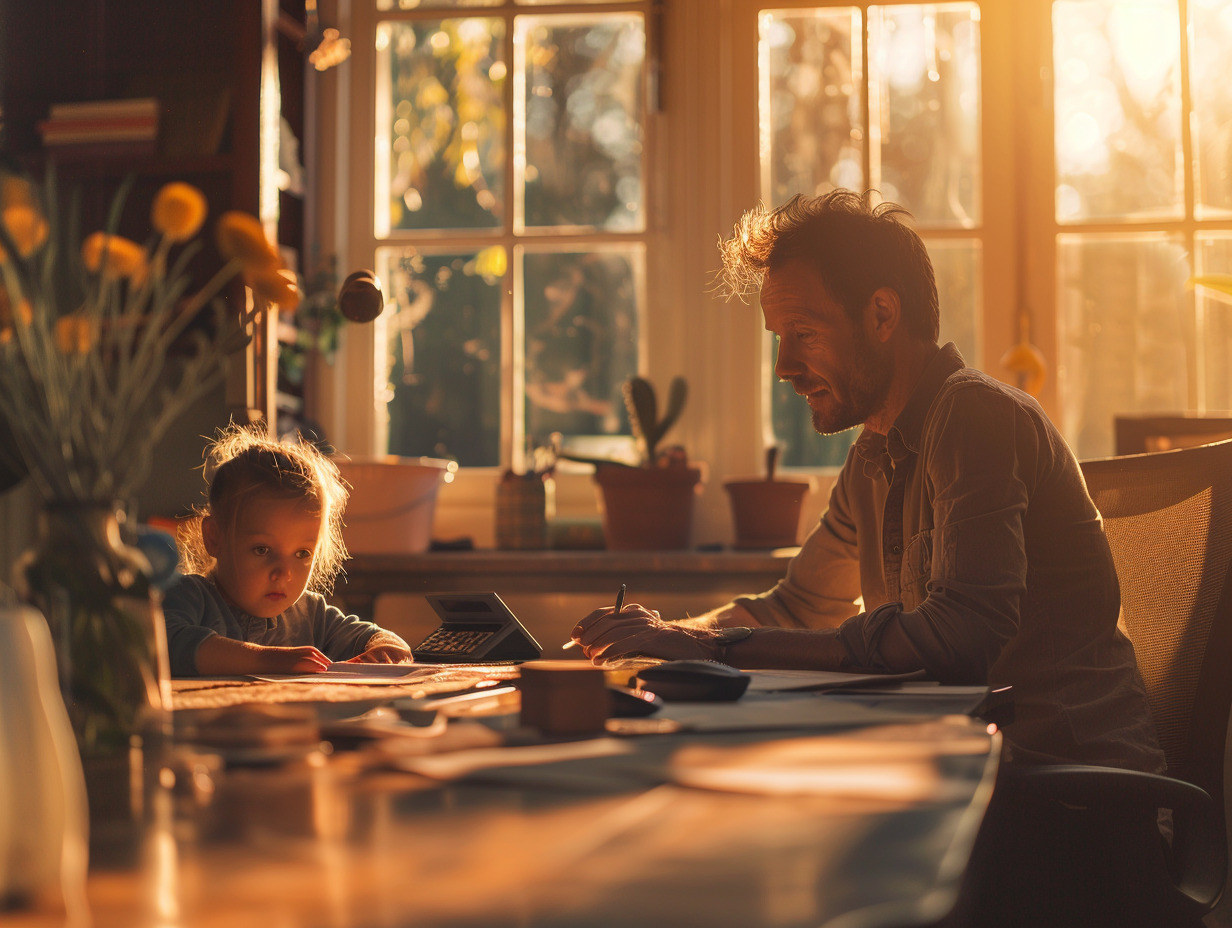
[[896, 549]]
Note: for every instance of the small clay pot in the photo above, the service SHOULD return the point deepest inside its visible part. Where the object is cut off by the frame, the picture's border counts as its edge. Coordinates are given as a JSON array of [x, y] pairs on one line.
[[767, 512]]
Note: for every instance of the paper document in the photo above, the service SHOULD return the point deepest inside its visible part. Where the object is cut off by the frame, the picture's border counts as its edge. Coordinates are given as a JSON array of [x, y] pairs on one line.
[[770, 681], [346, 672]]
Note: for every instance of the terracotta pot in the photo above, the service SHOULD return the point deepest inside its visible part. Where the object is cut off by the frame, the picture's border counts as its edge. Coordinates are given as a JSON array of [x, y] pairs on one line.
[[767, 512], [647, 508]]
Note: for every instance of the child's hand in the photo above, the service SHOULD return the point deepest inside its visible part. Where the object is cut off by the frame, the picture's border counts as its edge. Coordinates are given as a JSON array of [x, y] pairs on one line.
[[219, 656], [383, 654], [306, 659]]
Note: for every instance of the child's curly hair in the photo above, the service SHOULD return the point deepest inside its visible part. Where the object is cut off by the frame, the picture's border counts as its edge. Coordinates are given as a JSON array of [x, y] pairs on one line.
[[242, 462]]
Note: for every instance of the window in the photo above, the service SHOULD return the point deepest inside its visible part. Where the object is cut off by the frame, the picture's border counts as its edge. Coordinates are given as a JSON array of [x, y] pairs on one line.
[[1066, 162], [905, 124], [1141, 204], [509, 225]]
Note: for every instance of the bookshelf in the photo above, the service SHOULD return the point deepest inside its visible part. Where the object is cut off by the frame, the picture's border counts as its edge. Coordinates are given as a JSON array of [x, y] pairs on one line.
[[203, 64]]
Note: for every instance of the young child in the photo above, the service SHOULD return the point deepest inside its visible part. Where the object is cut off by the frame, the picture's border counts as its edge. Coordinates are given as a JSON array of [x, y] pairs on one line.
[[255, 565]]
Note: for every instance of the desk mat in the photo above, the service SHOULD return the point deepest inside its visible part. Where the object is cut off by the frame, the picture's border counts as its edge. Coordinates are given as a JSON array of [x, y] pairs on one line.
[[221, 692]]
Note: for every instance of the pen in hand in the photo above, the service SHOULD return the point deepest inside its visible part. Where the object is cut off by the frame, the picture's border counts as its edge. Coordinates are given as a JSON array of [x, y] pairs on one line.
[[620, 602]]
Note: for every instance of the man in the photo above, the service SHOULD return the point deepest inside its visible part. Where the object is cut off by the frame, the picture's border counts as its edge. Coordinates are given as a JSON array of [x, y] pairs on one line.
[[960, 521]]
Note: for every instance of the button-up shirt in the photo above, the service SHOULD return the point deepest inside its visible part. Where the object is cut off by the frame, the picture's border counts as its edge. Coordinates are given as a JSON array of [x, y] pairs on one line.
[[967, 535]]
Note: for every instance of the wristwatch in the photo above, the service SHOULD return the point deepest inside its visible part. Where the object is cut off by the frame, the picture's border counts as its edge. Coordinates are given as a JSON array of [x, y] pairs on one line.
[[724, 637]]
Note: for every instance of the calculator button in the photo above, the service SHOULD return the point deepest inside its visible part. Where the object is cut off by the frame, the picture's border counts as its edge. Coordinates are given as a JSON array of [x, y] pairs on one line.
[[453, 641]]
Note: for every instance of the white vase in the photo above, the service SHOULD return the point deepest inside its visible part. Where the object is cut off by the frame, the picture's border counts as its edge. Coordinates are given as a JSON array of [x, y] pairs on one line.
[[43, 815]]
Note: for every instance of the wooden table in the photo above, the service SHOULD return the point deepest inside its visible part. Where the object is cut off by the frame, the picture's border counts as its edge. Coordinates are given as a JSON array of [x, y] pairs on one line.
[[813, 825]]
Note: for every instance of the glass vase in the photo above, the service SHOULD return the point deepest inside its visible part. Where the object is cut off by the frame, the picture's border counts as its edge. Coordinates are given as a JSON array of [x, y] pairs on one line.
[[107, 630]]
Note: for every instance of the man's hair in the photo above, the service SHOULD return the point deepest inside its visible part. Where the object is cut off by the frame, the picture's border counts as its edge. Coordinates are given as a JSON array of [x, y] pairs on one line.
[[243, 464], [855, 247]]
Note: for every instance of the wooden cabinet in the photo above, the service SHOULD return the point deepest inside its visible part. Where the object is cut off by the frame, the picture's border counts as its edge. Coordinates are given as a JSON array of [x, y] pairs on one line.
[[201, 61], [229, 78]]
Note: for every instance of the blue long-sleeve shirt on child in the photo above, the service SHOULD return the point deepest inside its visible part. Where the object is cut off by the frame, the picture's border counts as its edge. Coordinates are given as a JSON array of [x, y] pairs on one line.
[[194, 609]]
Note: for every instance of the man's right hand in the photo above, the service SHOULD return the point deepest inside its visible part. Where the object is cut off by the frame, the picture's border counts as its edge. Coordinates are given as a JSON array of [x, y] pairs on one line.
[[639, 632]]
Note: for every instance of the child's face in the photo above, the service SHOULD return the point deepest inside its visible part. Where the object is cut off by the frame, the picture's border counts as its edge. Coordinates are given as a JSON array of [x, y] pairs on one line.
[[265, 559]]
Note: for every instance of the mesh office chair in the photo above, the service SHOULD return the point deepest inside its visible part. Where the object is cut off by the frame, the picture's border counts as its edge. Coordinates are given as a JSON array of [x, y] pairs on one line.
[[1168, 519]]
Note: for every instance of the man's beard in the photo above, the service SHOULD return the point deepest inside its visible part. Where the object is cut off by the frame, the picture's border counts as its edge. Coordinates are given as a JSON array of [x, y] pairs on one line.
[[865, 392]]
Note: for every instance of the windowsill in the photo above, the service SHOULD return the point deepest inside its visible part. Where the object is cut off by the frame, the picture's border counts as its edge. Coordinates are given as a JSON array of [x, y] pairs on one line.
[[727, 572]]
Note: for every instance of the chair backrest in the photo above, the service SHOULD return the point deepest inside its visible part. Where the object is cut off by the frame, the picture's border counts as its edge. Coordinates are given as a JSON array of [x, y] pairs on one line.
[[1168, 518]]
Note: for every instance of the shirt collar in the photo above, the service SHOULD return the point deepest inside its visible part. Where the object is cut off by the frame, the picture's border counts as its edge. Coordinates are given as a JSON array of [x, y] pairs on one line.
[[905, 434]]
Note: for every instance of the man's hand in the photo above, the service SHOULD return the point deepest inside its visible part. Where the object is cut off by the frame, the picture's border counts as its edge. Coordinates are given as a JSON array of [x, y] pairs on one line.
[[636, 631], [383, 654]]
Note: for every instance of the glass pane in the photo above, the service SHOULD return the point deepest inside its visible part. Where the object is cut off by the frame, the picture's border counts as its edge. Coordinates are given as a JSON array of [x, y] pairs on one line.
[[442, 331], [958, 266], [1210, 86], [1214, 326], [1124, 333], [811, 102], [1116, 73], [924, 100], [440, 115], [579, 121], [581, 336]]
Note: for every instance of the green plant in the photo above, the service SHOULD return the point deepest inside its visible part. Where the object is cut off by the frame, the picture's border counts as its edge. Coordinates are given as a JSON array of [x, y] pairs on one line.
[[648, 428]]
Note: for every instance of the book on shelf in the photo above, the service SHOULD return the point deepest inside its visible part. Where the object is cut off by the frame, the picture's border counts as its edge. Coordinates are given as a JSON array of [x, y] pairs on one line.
[[93, 150], [66, 135], [105, 109], [101, 121]]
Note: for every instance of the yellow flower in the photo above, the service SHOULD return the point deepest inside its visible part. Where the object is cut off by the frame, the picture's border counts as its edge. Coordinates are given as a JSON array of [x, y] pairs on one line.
[[241, 237], [113, 255], [178, 211], [277, 285], [17, 191], [26, 227], [74, 334], [24, 313]]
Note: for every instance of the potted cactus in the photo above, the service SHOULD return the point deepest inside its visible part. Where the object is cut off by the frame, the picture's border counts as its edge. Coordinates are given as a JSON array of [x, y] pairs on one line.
[[649, 507]]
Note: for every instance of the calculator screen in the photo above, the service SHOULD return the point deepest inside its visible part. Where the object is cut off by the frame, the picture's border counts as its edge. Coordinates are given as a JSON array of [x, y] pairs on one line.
[[466, 605]]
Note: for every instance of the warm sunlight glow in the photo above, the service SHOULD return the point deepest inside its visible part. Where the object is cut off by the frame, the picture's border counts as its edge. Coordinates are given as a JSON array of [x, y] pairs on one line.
[[1117, 96]]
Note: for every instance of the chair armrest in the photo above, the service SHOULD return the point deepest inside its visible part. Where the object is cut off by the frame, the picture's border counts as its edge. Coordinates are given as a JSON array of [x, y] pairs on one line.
[[1198, 851]]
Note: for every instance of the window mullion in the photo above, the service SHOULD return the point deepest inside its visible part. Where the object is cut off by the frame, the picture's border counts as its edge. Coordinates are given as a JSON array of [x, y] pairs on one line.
[[869, 110], [1197, 378], [1190, 187], [513, 345]]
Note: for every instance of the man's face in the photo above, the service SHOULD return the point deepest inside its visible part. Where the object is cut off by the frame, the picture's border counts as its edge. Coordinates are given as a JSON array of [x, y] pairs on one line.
[[823, 355]]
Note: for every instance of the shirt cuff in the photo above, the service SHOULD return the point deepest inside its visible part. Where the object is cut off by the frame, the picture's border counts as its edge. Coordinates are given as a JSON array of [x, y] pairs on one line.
[[861, 635]]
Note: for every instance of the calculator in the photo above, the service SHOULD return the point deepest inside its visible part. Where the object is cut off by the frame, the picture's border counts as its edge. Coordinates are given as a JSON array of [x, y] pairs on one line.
[[476, 628]]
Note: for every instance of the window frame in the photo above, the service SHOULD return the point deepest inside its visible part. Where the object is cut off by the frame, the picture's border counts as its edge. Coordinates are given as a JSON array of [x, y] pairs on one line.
[[701, 147], [359, 428]]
